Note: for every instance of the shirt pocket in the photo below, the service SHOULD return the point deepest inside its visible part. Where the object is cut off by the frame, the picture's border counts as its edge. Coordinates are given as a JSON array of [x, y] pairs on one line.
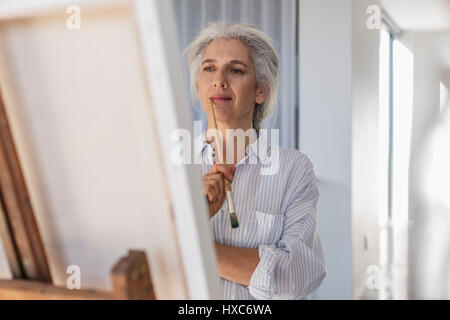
[[269, 227]]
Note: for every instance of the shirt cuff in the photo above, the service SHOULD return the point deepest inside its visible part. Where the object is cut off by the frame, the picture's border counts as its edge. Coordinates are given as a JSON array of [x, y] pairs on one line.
[[262, 280]]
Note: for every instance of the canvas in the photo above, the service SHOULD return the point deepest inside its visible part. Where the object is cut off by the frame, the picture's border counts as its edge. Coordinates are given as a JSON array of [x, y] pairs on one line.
[[91, 104]]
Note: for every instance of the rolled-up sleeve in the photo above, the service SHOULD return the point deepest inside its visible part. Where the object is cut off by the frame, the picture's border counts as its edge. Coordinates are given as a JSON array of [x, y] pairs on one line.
[[294, 267]]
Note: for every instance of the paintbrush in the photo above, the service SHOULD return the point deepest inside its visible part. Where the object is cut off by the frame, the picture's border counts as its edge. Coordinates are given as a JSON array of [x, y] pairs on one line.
[[227, 183]]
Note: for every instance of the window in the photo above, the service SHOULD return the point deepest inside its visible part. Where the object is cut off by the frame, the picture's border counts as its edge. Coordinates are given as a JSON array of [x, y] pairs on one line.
[[395, 124], [384, 150], [444, 97]]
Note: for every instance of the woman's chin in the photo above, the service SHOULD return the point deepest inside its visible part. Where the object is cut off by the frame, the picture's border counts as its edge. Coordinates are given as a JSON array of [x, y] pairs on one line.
[[222, 116]]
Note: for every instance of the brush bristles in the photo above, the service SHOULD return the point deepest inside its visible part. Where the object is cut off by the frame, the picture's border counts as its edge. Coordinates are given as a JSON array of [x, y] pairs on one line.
[[234, 220]]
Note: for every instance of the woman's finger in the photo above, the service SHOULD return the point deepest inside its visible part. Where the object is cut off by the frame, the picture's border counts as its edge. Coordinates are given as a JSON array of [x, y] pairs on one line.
[[211, 189], [226, 169], [218, 182], [213, 175]]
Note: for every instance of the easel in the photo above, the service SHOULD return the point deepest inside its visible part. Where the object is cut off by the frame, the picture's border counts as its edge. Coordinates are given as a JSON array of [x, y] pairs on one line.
[[92, 111], [130, 276]]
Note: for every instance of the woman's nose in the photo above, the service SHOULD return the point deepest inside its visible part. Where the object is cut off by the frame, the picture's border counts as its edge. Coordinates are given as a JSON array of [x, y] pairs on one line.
[[220, 81]]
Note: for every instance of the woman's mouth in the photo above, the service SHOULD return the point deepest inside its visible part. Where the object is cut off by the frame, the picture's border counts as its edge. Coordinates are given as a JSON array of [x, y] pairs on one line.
[[220, 98]]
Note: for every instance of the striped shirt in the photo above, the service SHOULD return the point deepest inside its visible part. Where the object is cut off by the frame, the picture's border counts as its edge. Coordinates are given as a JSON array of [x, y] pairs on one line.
[[277, 214]]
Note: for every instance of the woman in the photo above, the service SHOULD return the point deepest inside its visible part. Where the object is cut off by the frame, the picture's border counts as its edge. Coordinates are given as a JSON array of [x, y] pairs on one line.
[[275, 253]]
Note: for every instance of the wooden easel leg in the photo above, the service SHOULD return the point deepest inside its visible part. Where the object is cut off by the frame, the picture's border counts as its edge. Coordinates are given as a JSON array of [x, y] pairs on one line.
[[130, 278], [19, 229], [9, 245]]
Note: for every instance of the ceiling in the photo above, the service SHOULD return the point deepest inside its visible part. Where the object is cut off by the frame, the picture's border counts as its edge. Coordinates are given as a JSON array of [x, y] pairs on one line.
[[419, 15], [430, 16]]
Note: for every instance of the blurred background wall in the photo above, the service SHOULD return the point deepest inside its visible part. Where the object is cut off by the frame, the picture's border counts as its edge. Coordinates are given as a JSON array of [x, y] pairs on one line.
[[361, 82]]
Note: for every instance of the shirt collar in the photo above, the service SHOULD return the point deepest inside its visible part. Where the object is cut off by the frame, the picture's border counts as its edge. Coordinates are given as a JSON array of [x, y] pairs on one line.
[[260, 147]]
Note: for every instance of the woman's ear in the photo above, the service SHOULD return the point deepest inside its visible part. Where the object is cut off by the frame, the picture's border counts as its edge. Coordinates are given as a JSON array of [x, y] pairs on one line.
[[262, 92]]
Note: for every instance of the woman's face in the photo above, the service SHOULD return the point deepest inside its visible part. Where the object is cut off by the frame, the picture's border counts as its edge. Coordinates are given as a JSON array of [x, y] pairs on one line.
[[227, 75]]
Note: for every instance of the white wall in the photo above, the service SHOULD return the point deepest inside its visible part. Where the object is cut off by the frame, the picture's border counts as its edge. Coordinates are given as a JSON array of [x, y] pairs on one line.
[[339, 130], [430, 69], [325, 130], [365, 150]]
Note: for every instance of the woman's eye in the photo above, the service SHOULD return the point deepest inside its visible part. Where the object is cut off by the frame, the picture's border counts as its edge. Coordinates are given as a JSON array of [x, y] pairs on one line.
[[208, 69], [238, 71]]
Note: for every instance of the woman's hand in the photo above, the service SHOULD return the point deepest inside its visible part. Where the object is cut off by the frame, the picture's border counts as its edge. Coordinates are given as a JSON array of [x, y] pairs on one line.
[[213, 186]]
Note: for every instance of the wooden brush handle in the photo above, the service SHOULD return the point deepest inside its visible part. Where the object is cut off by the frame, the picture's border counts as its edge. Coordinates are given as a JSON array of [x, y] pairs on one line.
[[227, 184]]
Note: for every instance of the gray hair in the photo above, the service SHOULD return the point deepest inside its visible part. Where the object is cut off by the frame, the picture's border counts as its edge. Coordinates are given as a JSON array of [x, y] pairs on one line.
[[262, 52]]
